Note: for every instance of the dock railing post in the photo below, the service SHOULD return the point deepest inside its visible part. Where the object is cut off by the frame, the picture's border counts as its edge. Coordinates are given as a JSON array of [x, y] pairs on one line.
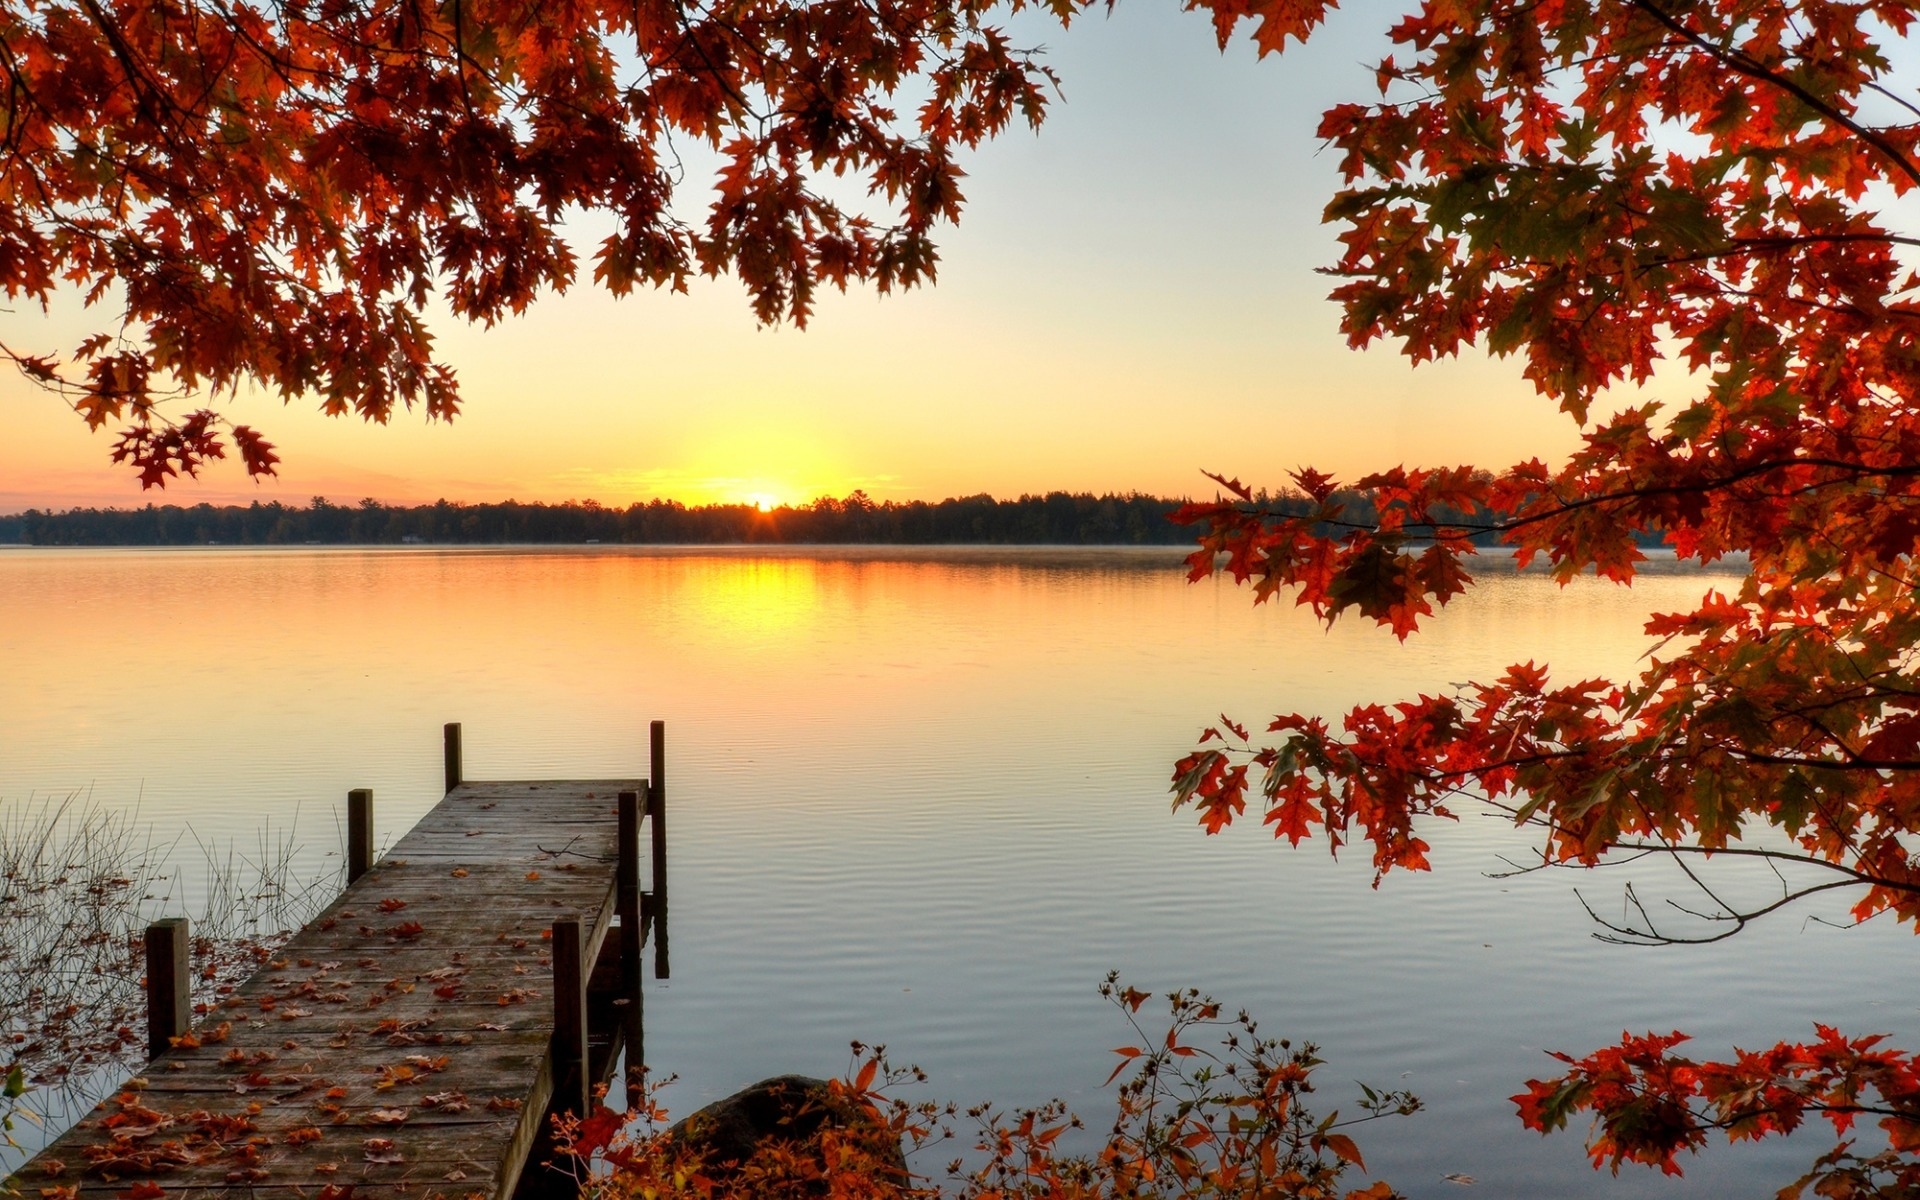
[[627, 896], [454, 775], [169, 984], [569, 1020], [359, 832], [657, 819], [627, 902]]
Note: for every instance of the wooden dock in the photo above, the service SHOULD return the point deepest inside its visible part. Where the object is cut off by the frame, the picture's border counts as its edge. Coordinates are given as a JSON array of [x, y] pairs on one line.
[[411, 1040]]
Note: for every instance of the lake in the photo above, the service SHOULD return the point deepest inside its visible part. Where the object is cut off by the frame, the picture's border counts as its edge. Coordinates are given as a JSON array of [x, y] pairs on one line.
[[919, 797]]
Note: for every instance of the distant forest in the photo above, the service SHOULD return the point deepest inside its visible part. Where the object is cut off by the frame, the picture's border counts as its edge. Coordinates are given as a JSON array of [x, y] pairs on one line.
[[1057, 518]]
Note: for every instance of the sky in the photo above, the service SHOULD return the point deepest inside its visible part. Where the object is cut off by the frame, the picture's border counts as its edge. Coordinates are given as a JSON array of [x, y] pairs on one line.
[[1129, 299]]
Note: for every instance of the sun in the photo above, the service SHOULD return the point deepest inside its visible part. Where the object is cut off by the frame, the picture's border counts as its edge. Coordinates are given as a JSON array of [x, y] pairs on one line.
[[763, 501]]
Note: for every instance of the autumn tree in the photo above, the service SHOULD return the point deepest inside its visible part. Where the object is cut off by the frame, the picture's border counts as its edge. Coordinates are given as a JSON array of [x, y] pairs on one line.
[[273, 194], [1598, 187]]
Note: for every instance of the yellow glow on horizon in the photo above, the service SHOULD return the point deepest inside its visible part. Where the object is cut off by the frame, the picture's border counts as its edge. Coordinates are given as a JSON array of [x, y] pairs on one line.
[[775, 459]]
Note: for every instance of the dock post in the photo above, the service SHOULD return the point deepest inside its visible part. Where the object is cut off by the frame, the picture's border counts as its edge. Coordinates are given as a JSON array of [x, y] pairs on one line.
[[627, 896], [569, 1020], [454, 775], [627, 902], [359, 832], [657, 819], [169, 984]]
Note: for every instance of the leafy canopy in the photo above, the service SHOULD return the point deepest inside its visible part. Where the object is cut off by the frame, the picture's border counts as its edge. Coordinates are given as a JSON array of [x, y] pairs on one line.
[[273, 192], [1598, 186]]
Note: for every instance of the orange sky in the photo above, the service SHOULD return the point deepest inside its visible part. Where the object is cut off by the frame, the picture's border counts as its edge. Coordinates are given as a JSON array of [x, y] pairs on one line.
[[1129, 298]]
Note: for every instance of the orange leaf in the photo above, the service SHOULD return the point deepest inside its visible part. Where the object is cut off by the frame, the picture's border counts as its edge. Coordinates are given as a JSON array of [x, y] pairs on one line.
[[1343, 1147]]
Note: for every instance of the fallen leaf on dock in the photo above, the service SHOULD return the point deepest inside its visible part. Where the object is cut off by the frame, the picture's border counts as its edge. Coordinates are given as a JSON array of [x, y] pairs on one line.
[[381, 1150]]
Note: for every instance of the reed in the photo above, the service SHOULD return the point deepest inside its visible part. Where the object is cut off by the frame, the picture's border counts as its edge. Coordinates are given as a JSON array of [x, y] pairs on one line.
[[79, 882]]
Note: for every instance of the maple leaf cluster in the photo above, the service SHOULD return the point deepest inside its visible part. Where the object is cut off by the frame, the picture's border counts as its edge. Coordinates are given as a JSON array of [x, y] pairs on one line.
[[1651, 1104], [1595, 187], [271, 194]]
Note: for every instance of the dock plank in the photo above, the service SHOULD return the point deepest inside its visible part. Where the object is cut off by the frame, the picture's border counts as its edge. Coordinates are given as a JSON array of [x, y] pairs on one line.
[[399, 1043]]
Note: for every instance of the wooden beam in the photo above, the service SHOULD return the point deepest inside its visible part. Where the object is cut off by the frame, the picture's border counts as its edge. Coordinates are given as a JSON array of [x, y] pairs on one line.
[[169, 984], [454, 775], [627, 898], [359, 832], [657, 820], [569, 1019], [628, 901]]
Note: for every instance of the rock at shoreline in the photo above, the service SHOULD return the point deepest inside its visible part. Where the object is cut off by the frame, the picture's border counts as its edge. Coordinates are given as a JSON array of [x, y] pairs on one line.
[[787, 1110]]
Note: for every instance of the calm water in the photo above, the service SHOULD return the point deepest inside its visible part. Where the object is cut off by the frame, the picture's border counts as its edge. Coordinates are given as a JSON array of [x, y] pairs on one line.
[[920, 798]]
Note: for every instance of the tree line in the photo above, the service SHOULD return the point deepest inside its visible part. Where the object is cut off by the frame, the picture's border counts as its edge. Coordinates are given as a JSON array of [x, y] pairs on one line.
[[1053, 518]]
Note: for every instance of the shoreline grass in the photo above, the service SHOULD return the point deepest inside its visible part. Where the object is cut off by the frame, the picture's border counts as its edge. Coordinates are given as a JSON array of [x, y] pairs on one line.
[[79, 883]]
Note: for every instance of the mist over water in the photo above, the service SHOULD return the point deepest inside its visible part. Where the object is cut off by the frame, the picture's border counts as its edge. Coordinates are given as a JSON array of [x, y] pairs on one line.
[[920, 797]]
